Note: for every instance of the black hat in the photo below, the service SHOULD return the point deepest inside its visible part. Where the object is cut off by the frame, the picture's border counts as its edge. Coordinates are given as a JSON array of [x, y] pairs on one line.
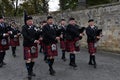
[[28, 18], [71, 18], [1, 17], [49, 17], [62, 19], [91, 20], [44, 22]]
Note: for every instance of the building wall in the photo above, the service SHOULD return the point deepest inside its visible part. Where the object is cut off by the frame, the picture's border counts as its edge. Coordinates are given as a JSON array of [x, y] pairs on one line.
[[106, 17]]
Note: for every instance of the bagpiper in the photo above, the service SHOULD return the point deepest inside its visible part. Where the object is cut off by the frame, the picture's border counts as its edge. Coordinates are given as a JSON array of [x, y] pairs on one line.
[[92, 38], [63, 38], [14, 37], [72, 40], [30, 44], [41, 43], [50, 39], [4, 42]]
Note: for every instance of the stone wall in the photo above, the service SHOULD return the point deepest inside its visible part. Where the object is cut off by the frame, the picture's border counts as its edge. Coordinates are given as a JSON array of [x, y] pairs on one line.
[[106, 17]]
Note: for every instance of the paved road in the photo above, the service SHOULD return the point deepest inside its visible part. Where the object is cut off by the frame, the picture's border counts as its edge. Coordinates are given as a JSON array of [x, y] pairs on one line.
[[108, 67]]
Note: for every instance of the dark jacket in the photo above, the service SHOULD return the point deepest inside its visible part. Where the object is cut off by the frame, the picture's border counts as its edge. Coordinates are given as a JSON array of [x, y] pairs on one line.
[[62, 31], [3, 29], [72, 32], [29, 35], [49, 34], [15, 31], [91, 34]]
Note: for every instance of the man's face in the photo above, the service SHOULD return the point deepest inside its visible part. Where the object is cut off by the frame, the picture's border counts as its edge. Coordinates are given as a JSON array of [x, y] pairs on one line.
[[29, 22], [63, 22], [91, 23], [1, 20], [72, 22], [50, 21]]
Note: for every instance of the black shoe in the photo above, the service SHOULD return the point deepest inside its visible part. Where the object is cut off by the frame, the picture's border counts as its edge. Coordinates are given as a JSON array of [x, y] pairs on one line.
[[1, 65], [64, 59], [14, 55], [90, 63], [33, 74], [73, 65], [52, 72], [29, 77]]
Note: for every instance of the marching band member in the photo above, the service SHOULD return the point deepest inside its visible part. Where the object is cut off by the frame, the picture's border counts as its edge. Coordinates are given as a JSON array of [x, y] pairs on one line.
[[14, 38], [72, 44], [63, 38], [4, 42], [50, 39], [30, 44], [92, 36]]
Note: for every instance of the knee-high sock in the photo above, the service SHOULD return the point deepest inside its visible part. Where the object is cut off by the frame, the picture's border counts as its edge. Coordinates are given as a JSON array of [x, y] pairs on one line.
[[13, 50], [3, 56], [90, 59], [94, 59], [28, 66], [50, 63], [63, 53], [71, 58], [32, 65]]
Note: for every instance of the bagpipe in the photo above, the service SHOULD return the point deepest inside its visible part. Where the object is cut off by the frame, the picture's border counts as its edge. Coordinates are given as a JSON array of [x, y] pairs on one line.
[[81, 31], [99, 33]]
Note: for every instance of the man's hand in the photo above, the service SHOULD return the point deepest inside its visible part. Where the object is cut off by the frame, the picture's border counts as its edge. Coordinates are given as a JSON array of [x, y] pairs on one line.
[[5, 34], [37, 41], [98, 37], [58, 38]]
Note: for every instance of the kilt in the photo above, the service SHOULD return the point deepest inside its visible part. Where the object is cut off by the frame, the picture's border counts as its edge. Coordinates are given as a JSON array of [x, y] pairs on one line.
[[77, 48], [91, 48], [48, 50], [4, 47], [14, 42], [70, 46], [63, 44], [41, 43], [28, 54]]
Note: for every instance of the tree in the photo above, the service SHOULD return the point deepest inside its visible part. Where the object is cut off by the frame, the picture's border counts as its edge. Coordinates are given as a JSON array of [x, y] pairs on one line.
[[6, 8], [68, 4], [35, 6]]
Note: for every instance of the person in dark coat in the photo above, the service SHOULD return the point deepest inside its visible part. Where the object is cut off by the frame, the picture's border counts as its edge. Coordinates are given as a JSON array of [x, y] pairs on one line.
[[91, 32], [4, 42], [62, 33], [72, 40], [50, 39], [30, 45], [41, 42], [14, 38]]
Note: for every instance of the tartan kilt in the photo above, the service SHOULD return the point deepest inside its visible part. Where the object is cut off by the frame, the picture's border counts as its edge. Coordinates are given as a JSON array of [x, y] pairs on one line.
[[70, 46], [14, 43], [41, 43], [49, 51], [63, 44], [77, 48], [91, 48], [4, 47], [28, 54]]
